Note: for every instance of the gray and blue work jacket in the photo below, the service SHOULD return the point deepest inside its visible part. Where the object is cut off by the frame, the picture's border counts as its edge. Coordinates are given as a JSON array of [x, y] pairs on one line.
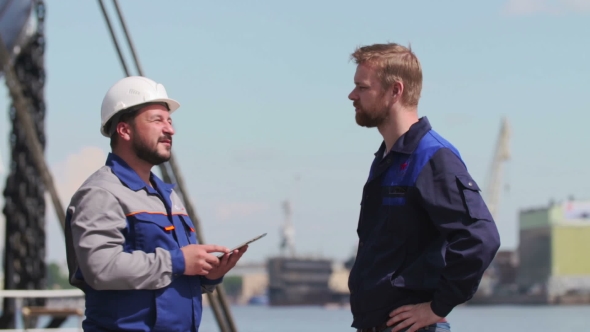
[[425, 233], [123, 241]]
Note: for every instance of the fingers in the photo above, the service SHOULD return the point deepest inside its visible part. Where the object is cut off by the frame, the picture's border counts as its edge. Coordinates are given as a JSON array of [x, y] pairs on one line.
[[237, 255], [214, 248], [412, 317], [401, 309], [205, 268], [212, 259], [224, 259], [240, 252], [209, 263], [405, 324], [228, 261], [399, 317], [234, 257]]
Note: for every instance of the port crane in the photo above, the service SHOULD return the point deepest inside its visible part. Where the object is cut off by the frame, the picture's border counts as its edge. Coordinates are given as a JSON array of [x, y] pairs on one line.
[[495, 175]]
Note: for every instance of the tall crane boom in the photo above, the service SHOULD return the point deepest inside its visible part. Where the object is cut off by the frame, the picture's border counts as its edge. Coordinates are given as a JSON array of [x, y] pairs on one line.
[[501, 154], [288, 231]]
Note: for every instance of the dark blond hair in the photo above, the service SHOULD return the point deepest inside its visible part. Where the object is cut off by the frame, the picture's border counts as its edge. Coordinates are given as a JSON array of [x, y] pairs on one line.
[[394, 63]]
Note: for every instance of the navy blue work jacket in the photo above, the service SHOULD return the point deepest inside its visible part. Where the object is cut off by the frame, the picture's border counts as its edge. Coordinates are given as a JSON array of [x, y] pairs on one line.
[[425, 233]]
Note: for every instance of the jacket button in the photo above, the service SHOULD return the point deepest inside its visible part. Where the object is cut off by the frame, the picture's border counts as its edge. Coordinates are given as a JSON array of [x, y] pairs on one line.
[[361, 243]]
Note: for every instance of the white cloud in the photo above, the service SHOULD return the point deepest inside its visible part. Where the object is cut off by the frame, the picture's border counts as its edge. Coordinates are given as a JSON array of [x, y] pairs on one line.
[[581, 5], [553, 7], [69, 174], [527, 7]]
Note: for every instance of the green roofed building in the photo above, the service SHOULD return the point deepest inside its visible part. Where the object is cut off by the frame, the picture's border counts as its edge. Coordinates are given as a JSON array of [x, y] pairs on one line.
[[553, 252]]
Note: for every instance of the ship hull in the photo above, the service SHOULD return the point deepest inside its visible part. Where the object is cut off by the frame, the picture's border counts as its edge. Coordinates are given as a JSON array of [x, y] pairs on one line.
[[299, 281]]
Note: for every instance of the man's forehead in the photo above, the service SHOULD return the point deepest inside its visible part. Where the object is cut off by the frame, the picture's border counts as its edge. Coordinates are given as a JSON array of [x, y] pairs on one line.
[[364, 73], [154, 109]]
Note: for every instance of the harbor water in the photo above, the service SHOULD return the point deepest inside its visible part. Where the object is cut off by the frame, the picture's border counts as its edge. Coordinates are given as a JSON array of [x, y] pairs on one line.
[[463, 319]]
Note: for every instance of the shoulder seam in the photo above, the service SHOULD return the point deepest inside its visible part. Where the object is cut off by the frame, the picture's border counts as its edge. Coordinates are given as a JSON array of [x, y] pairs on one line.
[[442, 144], [100, 188]]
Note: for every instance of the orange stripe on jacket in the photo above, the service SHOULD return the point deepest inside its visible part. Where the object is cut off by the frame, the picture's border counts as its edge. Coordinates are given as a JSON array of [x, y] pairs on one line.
[[154, 212]]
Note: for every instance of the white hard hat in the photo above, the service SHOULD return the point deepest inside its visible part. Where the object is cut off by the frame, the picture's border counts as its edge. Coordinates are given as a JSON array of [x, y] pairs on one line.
[[132, 91]]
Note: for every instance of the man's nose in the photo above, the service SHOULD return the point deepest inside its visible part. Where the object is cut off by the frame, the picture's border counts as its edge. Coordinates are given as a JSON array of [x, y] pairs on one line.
[[169, 129]]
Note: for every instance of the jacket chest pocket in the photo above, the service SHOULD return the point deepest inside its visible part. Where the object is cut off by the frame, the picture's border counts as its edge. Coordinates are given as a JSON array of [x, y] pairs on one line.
[[395, 206], [153, 231], [395, 211], [189, 227]]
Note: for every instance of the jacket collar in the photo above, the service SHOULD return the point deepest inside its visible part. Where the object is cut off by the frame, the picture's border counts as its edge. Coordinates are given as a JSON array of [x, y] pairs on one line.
[[409, 141], [131, 179]]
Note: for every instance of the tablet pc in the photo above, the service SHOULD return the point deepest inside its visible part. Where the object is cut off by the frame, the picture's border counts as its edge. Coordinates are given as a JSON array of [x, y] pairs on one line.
[[245, 243]]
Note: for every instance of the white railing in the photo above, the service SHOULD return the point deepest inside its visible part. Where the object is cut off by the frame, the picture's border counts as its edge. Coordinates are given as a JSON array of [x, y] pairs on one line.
[[37, 293], [19, 295]]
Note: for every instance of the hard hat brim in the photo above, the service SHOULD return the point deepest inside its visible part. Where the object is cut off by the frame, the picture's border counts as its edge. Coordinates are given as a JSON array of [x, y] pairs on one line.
[[173, 105]]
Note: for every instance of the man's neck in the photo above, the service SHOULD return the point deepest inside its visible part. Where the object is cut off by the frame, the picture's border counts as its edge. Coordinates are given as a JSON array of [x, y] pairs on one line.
[[398, 123], [140, 167]]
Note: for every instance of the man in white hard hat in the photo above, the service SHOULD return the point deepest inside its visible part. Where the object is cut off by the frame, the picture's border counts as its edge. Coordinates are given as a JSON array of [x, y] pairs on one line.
[[131, 246]]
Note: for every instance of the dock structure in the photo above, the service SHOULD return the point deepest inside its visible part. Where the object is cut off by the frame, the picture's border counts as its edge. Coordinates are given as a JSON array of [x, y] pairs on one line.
[[290, 282]]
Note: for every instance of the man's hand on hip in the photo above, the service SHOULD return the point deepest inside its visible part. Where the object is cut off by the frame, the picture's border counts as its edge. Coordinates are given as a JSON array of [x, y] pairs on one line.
[[414, 316], [198, 259], [228, 261]]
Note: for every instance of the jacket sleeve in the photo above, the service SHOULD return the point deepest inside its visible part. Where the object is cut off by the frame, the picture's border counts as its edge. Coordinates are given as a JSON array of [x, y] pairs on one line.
[[208, 285], [97, 220], [452, 199]]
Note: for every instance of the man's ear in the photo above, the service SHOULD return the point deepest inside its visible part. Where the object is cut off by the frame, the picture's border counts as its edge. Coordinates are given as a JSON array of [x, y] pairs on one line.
[[397, 90], [124, 131]]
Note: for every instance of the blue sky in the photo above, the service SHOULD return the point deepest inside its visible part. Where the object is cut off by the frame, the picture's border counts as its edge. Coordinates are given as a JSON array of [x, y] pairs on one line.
[[263, 89]]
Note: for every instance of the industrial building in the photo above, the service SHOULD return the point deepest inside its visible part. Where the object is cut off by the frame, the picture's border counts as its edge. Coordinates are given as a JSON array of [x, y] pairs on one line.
[[554, 242]]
